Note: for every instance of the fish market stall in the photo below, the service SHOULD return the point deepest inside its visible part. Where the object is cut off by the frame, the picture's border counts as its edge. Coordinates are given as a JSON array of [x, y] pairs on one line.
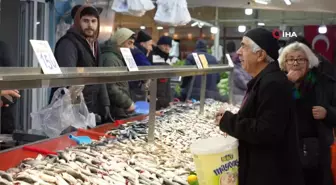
[[126, 158]]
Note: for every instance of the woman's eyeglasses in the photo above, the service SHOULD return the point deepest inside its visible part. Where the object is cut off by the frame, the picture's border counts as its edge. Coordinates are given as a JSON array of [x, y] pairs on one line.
[[291, 61]]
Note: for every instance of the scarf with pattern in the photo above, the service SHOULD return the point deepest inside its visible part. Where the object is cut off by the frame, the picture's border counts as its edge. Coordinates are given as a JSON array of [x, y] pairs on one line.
[[305, 86]]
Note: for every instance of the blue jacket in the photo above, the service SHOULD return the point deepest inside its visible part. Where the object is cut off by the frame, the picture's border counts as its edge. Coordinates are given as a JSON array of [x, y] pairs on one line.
[[135, 86], [140, 57], [212, 79]]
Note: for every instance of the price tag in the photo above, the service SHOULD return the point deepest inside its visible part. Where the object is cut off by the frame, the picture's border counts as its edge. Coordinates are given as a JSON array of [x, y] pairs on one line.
[[158, 59], [197, 60], [204, 60], [228, 57], [128, 57], [45, 57]]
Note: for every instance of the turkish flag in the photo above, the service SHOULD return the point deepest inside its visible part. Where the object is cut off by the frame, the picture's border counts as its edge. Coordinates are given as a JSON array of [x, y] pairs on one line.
[[322, 43]]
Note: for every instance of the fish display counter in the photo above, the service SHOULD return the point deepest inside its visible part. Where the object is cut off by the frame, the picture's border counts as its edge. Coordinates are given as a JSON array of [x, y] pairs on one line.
[[119, 153]]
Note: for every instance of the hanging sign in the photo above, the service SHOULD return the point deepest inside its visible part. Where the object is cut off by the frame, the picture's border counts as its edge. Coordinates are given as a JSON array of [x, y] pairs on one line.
[[197, 60], [128, 57], [45, 57]]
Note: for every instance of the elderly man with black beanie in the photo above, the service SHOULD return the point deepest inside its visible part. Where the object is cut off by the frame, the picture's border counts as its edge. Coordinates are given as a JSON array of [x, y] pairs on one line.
[[264, 125]]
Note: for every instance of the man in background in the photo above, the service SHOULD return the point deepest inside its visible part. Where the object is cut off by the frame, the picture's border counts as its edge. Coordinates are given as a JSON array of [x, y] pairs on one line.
[[161, 57], [212, 79], [7, 111], [239, 76], [119, 93], [79, 48]]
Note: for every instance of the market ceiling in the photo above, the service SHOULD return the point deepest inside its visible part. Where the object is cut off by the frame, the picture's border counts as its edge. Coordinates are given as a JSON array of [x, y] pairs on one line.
[[297, 5]]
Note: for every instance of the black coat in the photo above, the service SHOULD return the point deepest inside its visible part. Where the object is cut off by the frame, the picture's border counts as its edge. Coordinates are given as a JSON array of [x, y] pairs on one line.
[[164, 91], [264, 126], [325, 89], [72, 50]]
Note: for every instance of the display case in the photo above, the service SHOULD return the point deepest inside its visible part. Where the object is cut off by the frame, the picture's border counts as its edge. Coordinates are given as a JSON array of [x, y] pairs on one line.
[[22, 78]]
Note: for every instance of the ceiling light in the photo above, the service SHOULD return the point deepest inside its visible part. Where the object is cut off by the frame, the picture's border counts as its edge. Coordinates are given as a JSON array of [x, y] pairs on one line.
[[248, 11], [241, 28], [322, 29], [143, 27], [194, 24], [261, 2], [159, 28], [261, 24], [288, 2], [214, 30]]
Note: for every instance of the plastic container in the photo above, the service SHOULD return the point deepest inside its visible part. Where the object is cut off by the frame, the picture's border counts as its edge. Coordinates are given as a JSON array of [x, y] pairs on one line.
[[142, 107], [216, 160]]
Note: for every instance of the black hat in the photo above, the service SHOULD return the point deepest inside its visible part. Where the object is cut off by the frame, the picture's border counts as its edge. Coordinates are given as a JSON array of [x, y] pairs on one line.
[[165, 40], [265, 40], [90, 10], [143, 37], [300, 39]]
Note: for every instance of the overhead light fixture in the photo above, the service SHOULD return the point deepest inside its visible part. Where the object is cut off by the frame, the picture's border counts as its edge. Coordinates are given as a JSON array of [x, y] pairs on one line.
[[288, 2], [194, 24], [37, 23], [241, 28], [248, 11], [159, 28], [322, 29], [261, 24], [143, 27], [214, 30], [261, 2]]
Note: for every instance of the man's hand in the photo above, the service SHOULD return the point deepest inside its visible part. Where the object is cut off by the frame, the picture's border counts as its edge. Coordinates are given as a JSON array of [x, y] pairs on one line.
[[294, 76], [12, 93], [219, 115], [131, 108], [319, 112]]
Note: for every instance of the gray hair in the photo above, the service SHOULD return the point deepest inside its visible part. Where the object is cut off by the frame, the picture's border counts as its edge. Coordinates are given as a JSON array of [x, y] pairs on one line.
[[255, 47], [297, 46]]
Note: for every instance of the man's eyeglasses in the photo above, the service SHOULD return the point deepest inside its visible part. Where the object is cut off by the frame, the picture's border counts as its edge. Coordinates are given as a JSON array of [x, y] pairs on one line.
[[291, 61]]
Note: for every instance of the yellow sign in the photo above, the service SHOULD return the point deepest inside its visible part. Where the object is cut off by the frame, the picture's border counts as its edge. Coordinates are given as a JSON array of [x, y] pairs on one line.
[[203, 60]]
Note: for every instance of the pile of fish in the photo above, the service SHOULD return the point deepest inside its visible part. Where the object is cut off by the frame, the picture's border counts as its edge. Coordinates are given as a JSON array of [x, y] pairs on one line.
[[128, 159]]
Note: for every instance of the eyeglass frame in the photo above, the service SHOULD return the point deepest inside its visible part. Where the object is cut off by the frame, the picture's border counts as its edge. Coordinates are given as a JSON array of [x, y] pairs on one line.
[[297, 60]]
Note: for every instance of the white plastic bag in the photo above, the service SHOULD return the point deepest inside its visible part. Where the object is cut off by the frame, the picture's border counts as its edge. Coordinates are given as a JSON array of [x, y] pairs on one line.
[[132, 7], [60, 114], [172, 12]]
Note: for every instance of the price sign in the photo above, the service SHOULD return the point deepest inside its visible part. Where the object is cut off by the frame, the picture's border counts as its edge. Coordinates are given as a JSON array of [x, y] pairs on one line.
[[45, 57], [197, 60], [128, 57], [204, 61]]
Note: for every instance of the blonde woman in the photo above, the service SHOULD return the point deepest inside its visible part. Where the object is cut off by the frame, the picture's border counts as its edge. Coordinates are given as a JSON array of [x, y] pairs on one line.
[[314, 92]]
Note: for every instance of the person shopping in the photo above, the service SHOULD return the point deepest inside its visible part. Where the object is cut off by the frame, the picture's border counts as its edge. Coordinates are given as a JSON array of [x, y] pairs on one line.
[[161, 57], [264, 125], [119, 93], [314, 92], [212, 79]]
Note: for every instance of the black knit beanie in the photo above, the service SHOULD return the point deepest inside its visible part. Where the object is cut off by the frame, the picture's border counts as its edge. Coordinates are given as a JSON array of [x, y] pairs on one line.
[[143, 37], [165, 40], [90, 11], [265, 40]]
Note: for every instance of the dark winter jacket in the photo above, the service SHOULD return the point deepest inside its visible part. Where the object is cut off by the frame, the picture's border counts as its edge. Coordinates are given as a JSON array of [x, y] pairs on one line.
[[164, 92], [266, 130], [137, 92], [5, 55], [73, 50], [212, 79], [325, 96], [118, 92]]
